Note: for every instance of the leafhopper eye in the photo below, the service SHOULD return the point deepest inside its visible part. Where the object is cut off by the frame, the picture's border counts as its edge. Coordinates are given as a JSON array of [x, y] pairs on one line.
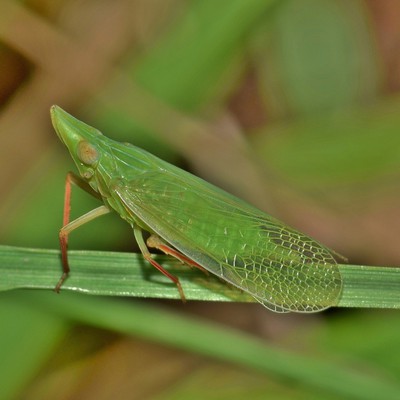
[[87, 153]]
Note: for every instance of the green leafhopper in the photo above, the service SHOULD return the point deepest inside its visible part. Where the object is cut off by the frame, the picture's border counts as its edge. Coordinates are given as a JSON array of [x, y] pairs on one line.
[[196, 222]]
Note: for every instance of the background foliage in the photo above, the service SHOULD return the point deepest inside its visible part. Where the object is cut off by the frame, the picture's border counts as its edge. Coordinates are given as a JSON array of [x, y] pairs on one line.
[[292, 105]]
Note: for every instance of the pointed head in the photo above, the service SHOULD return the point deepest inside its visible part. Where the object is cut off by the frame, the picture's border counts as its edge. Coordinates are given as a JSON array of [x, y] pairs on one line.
[[79, 138], [85, 144], [100, 160]]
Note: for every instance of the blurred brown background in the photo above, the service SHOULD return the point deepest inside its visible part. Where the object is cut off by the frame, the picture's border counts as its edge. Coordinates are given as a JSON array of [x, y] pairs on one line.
[[292, 105]]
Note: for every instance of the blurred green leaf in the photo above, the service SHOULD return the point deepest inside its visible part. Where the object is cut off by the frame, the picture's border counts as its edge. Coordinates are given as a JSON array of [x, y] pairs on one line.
[[189, 66], [361, 146], [195, 335], [371, 336], [317, 56], [28, 336]]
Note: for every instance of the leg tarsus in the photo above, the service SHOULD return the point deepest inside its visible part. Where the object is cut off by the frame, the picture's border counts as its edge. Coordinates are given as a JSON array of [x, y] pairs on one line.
[[173, 278], [61, 281]]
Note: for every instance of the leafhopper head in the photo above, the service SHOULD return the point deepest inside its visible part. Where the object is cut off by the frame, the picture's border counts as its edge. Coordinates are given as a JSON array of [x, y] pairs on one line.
[[81, 140]]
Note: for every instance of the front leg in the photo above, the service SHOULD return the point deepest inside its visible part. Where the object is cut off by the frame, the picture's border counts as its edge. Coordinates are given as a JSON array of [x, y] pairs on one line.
[[68, 226]]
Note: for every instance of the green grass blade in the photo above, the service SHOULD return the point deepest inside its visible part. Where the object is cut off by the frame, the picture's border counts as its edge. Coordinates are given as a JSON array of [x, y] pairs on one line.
[[371, 287], [127, 274]]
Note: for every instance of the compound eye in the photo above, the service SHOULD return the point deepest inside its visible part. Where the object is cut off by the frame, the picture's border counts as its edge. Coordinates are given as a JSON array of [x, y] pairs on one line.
[[87, 153]]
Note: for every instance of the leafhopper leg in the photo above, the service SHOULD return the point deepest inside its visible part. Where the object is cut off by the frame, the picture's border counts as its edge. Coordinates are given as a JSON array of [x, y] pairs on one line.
[[146, 254], [156, 242], [68, 226]]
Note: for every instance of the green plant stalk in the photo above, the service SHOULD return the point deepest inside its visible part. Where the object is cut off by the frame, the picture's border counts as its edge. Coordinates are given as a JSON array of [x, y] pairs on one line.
[[127, 274]]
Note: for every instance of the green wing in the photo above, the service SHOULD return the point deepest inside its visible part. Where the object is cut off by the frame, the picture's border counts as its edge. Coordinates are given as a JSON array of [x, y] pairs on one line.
[[281, 268]]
